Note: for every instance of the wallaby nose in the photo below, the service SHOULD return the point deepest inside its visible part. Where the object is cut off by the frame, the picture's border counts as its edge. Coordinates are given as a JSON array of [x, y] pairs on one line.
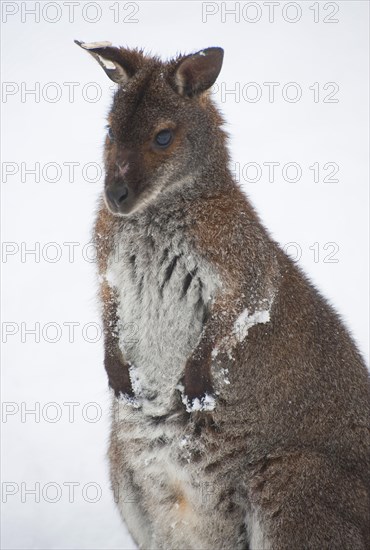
[[117, 195]]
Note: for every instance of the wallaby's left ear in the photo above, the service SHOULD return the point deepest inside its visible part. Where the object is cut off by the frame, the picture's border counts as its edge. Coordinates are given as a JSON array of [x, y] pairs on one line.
[[197, 72], [116, 65]]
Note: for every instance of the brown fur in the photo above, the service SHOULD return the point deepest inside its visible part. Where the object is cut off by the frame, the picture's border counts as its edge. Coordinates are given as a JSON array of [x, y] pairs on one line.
[[286, 449]]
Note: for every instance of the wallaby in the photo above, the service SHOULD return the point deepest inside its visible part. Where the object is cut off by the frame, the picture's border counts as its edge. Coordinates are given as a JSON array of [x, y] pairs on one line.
[[240, 414]]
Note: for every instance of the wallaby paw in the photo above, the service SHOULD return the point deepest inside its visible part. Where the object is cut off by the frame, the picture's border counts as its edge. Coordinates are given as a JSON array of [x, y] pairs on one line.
[[205, 402], [129, 390], [123, 381]]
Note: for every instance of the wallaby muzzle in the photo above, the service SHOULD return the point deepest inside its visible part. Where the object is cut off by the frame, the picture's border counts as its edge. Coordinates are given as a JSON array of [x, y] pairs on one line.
[[116, 195], [119, 192]]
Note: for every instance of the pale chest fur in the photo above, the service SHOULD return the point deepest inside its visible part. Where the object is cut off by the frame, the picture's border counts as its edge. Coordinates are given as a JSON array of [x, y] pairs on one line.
[[164, 290]]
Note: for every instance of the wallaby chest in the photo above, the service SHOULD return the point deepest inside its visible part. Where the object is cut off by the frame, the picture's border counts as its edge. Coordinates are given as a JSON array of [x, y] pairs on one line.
[[164, 289]]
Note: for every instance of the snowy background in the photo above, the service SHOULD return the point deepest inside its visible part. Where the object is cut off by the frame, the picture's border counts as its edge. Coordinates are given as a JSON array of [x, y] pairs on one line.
[[54, 471]]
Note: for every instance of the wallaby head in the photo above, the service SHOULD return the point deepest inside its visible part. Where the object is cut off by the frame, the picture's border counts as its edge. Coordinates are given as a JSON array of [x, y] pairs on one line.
[[163, 125]]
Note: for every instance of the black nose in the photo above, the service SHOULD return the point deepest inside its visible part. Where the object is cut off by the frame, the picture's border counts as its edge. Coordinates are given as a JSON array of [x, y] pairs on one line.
[[117, 195]]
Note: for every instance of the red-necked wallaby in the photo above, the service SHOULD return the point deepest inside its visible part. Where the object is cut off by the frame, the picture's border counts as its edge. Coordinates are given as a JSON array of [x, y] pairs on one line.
[[240, 402]]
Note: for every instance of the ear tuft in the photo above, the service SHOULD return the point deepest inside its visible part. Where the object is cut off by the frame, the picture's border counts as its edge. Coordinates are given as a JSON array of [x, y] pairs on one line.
[[110, 59], [196, 73], [93, 45]]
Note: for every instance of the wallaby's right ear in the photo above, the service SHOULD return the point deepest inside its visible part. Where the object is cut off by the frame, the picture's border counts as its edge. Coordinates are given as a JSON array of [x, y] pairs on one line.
[[196, 73], [118, 64]]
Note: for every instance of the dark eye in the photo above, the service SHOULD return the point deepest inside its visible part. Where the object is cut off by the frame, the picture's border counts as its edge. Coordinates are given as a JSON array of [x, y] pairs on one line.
[[163, 138], [110, 133]]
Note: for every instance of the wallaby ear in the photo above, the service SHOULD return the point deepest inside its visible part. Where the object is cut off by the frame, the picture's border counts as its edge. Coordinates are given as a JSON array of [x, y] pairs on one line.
[[197, 72], [117, 66]]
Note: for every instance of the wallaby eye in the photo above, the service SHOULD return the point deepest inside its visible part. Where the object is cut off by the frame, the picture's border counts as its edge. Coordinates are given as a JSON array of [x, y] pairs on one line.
[[110, 133], [163, 138]]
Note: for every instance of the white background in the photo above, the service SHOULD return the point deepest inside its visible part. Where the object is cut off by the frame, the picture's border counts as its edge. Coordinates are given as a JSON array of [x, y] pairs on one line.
[[71, 129]]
